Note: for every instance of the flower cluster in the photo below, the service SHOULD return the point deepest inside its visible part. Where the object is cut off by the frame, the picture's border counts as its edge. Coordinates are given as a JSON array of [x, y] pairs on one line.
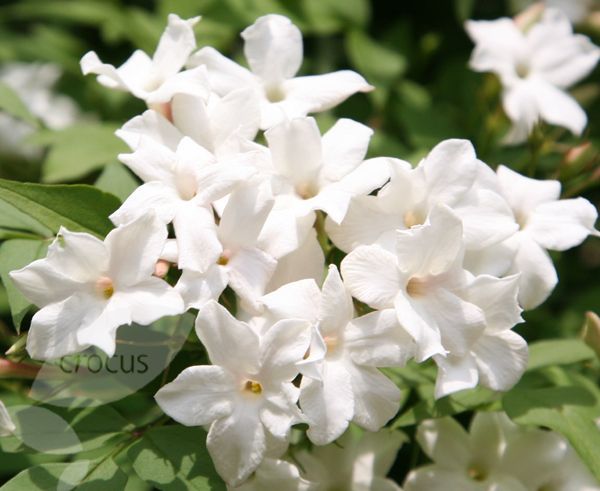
[[441, 256]]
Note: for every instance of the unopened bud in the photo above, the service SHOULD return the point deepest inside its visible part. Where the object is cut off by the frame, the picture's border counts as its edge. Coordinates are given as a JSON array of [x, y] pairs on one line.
[[161, 268], [529, 16], [11, 369], [591, 331]]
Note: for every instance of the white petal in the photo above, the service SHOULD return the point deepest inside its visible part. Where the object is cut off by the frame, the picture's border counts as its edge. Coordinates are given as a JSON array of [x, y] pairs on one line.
[[244, 216], [224, 74], [280, 412], [151, 299], [366, 177], [336, 308], [131, 75], [197, 289], [321, 92], [236, 444], [193, 81], [497, 297], [560, 225], [377, 339], [450, 169], [525, 194], [150, 196], [273, 48], [561, 57], [365, 223], [151, 160], [538, 276], [433, 248], [151, 125], [134, 249], [520, 106], [376, 398], [296, 150], [53, 331], [196, 232], [282, 347], [238, 113], [333, 200], [229, 343], [300, 300], [344, 147], [425, 333], [559, 108], [175, 45], [198, 396], [249, 273], [445, 442], [372, 276], [306, 262], [494, 260], [43, 284], [327, 404], [454, 374], [501, 359]]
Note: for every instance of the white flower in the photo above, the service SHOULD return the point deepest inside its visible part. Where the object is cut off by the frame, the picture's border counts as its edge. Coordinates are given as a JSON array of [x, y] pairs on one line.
[[424, 281], [466, 461], [246, 394], [7, 427], [450, 174], [535, 68], [496, 454], [499, 356], [277, 475], [460, 320], [341, 381], [87, 288], [242, 264], [273, 48], [222, 125], [546, 222], [155, 80], [358, 461], [180, 187]]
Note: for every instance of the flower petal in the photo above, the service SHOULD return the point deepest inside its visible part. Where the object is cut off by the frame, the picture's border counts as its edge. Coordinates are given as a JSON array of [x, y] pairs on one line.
[[372, 276], [328, 404], [151, 299], [336, 308], [196, 289], [454, 374], [559, 108], [198, 396], [560, 225], [225, 75], [175, 45], [229, 343], [236, 444], [273, 48], [445, 442], [250, 270]]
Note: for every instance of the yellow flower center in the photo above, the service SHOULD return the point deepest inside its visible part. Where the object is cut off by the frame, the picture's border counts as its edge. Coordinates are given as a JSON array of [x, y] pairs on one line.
[[412, 218], [105, 287], [253, 387]]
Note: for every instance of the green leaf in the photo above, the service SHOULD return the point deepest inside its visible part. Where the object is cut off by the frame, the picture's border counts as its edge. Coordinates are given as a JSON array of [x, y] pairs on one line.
[[86, 475], [78, 150], [329, 16], [175, 458], [569, 410], [460, 402], [558, 352], [79, 208], [11, 103], [378, 63], [14, 254], [116, 179]]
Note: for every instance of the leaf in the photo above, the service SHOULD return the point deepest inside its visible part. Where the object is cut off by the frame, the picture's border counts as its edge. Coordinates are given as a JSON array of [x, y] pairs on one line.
[[11, 103], [558, 352], [15, 254], [175, 458], [78, 150], [569, 410], [460, 402], [117, 180], [79, 207], [464, 9], [85, 475], [378, 63], [329, 16]]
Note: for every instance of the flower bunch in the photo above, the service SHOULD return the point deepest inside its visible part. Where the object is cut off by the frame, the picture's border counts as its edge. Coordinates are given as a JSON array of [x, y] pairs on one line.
[[241, 191]]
